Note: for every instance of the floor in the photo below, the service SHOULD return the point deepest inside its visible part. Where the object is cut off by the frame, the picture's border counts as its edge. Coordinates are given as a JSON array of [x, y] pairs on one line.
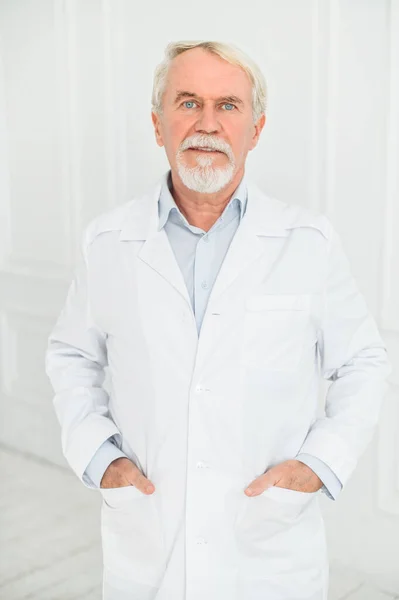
[[46, 553]]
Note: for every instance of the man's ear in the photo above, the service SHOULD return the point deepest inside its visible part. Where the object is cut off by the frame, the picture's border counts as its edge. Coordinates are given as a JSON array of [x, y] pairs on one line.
[[157, 128], [258, 128]]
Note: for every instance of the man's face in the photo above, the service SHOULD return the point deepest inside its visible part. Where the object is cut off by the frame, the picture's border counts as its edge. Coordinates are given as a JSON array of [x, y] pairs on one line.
[[207, 102]]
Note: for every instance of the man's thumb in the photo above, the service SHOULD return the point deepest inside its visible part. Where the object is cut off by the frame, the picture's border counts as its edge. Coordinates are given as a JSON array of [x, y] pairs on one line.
[[261, 483], [140, 481]]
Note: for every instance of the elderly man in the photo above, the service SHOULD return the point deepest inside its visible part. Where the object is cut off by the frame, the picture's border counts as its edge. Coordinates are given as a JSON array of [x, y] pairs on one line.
[[217, 310]]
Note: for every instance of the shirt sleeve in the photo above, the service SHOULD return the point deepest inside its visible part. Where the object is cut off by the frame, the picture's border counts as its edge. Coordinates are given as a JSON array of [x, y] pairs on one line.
[[332, 485], [104, 456]]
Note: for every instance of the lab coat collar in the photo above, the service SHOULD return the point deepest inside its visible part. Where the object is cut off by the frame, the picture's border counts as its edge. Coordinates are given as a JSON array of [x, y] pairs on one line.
[[264, 215]]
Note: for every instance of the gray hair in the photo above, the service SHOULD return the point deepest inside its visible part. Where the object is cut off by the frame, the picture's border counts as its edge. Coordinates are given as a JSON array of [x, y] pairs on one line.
[[229, 52]]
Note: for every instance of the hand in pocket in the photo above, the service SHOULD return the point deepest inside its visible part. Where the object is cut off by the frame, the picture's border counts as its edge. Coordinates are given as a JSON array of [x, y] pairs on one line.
[[123, 472]]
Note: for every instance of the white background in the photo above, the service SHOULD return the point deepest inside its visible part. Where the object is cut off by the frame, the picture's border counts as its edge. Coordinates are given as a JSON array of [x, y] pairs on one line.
[[76, 138]]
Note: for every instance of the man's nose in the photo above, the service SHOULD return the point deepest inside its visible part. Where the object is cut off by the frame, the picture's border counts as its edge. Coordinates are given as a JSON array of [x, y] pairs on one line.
[[208, 121]]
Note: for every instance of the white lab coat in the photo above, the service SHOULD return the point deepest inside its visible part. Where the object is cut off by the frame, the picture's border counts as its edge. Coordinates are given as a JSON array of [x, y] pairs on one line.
[[202, 417]]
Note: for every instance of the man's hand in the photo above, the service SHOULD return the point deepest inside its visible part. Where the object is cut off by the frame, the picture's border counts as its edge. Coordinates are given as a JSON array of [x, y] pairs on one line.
[[123, 472], [291, 474]]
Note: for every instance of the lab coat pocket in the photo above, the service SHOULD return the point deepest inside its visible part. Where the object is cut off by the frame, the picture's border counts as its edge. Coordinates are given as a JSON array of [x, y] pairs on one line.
[[277, 329], [132, 534], [292, 498], [120, 498], [277, 530], [273, 511]]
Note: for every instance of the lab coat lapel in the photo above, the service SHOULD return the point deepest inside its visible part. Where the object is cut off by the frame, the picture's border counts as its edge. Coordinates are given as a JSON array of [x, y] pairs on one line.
[[142, 224], [158, 254], [264, 217]]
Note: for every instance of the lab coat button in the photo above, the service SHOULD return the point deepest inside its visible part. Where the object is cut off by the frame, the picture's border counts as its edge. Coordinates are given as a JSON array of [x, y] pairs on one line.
[[201, 541], [202, 465], [199, 389]]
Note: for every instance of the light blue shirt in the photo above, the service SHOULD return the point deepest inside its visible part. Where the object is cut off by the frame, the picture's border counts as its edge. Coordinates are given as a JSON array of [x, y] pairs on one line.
[[200, 255]]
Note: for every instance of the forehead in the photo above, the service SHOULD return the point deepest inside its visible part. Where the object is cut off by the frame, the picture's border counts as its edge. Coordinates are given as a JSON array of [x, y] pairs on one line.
[[207, 75]]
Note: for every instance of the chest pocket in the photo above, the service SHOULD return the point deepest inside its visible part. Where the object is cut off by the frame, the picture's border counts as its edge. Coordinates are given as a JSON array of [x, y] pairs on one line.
[[277, 329]]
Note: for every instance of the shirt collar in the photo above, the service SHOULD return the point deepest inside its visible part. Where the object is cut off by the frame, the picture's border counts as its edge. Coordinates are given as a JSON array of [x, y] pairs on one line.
[[167, 203]]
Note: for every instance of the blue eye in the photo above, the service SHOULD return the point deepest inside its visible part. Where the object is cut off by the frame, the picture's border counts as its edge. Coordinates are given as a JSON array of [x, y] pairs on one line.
[[232, 106]]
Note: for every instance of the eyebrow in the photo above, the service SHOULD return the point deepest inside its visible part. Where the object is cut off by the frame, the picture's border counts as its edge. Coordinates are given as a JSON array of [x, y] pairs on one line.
[[183, 94]]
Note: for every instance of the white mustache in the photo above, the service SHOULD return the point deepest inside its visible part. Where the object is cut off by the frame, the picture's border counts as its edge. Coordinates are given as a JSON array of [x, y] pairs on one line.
[[206, 143]]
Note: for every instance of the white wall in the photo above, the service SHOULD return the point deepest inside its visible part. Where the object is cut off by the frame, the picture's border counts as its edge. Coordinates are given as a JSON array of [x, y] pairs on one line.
[[76, 138]]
